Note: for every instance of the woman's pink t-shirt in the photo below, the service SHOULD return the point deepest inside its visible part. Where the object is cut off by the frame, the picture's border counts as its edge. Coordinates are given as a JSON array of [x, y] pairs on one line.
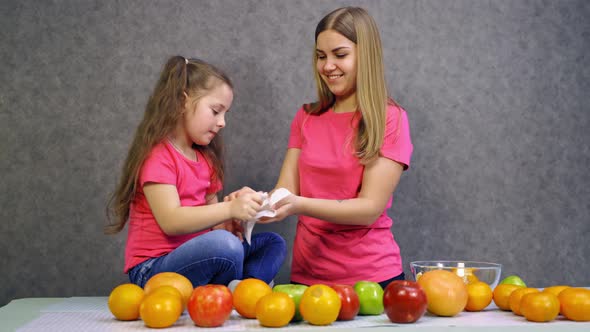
[[193, 180], [325, 252]]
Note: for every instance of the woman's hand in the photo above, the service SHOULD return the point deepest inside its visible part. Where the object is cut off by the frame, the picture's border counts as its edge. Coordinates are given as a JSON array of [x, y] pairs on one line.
[[285, 207]]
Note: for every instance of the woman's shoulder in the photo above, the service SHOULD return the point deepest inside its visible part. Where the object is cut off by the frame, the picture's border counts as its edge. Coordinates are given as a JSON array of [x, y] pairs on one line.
[[303, 110], [394, 108], [395, 111]]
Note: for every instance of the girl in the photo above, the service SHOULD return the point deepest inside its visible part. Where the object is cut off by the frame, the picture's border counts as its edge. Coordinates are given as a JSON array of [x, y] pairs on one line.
[[345, 157], [171, 177]]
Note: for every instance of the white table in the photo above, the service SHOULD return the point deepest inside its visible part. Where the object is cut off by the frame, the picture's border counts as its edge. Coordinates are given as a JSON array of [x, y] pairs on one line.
[[92, 314]]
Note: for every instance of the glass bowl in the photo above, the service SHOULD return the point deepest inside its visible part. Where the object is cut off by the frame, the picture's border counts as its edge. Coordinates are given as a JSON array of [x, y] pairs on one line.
[[469, 271]]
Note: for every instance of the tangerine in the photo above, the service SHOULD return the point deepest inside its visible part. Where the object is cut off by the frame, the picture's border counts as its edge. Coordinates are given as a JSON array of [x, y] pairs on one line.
[[124, 301], [575, 304], [516, 296], [246, 295], [176, 280], [555, 290], [539, 306], [479, 296], [160, 309], [501, 295], [275, 309]]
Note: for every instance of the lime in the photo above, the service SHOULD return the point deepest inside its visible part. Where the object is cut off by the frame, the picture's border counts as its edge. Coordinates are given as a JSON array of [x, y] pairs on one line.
[[513, 280]]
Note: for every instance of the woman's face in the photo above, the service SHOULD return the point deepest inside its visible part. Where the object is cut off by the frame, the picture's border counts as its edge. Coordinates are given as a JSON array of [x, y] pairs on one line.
[[337, 63]]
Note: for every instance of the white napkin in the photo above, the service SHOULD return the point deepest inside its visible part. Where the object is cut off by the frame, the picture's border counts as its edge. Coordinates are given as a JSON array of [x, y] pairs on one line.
[[267, 211]]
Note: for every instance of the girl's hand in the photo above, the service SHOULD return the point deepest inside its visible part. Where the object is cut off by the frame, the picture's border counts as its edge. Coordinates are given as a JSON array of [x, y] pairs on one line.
[[285, 207], [237, 193], [245, 206]]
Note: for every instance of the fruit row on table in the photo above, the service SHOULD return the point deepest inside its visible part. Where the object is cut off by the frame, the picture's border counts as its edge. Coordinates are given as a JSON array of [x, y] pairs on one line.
[[166, 295]]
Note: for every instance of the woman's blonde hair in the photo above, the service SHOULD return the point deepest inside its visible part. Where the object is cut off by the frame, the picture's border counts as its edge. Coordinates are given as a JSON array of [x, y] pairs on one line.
[[359, 27], [180, 77]]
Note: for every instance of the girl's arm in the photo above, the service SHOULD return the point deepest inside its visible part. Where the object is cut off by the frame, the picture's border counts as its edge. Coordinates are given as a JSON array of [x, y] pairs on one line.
[[380, 179], [175, 219], [233, 226]]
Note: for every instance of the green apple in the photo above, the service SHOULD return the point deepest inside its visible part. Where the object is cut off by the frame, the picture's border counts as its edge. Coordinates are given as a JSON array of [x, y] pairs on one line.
[[370, 296], [513, 280], [295, 291]]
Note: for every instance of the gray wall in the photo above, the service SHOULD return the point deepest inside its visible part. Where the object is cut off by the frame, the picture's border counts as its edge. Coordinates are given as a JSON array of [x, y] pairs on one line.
[[496, 92]]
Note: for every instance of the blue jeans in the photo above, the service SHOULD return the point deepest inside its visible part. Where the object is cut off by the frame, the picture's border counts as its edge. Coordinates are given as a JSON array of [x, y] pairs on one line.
[[218, 257]]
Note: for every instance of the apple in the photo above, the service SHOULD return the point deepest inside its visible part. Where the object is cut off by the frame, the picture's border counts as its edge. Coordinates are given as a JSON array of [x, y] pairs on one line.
[[295, 291], [350, 301], [404, 301], [513, 280], [370, 296], [210, 305]]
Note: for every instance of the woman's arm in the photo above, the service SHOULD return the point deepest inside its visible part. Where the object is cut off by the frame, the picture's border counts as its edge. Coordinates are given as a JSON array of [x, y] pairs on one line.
[[175, 219], [289, 175], [380, 179]]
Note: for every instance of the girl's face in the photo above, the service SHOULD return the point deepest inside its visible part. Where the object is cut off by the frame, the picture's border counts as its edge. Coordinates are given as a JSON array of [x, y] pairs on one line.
[[336, 63], [205, 117]]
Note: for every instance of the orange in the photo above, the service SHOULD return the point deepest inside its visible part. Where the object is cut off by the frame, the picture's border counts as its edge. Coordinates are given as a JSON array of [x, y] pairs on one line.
[[501, 295], [446, 293], [160, 309], [539, 306], [575, 304], [247, 294], [124, 301], [275, 309], [320, 305], [479, 296], [516, 296], [176, 280]]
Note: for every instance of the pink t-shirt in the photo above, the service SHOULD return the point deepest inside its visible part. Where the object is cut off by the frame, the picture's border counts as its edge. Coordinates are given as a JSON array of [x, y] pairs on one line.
[[193, 180], [324, 252]]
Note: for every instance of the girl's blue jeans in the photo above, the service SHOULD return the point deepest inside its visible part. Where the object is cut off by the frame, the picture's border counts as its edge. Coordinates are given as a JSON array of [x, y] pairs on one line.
[[218, 257]]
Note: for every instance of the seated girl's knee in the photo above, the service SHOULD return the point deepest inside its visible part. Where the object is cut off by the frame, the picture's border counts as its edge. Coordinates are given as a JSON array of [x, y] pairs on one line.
[[276, 241], [279, 238], [227, 240]]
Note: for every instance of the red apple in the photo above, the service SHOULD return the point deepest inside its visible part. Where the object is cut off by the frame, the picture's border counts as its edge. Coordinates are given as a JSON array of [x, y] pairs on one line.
[[210, 305], [350, 302], [404, 301]]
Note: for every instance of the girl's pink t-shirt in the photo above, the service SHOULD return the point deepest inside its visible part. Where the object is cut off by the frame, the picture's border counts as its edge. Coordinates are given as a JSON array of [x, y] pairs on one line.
[[193, 180], [325, 252]]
